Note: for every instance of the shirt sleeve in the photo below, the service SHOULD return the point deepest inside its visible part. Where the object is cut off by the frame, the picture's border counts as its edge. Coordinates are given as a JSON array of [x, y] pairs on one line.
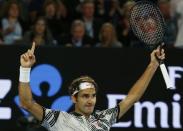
[[49, 118], [109, 116]]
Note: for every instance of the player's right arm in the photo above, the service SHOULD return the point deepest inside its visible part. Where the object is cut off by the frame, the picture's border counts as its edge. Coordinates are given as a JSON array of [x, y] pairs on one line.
[[27, 60]]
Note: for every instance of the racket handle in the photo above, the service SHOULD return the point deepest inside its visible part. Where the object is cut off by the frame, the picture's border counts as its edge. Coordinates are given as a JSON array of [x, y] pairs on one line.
[[166, 77]]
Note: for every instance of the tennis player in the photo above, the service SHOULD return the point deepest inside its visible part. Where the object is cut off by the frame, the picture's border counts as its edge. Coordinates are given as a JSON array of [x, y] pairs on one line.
[[83, 93]]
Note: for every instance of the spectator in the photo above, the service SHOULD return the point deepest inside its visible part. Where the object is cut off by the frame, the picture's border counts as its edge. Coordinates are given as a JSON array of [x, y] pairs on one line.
[[179, 13], [55, 23], [77, 38], [115, 11], [62, 11], [35, 7], [108, 36], [171, 30], [11, 27], [92, 24], [73, 7], [173, 6], [124, 32], [100, 9], [40, 34]]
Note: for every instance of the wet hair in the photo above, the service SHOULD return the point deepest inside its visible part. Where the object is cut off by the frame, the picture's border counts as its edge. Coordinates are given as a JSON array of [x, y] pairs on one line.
[[76, 82]]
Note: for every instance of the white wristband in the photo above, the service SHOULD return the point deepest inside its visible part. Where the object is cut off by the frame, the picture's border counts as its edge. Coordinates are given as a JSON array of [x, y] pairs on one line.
[[24, 74]]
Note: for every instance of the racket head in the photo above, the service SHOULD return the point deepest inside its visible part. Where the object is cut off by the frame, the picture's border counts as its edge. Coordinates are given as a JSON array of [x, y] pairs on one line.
[[147, 23]]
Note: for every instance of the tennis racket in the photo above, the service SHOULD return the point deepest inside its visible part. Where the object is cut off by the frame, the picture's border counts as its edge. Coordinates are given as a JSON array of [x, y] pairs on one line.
[[148, 25]]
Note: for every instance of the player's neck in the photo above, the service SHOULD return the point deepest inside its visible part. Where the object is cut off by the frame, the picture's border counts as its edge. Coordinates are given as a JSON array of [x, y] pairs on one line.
[[83, 114]]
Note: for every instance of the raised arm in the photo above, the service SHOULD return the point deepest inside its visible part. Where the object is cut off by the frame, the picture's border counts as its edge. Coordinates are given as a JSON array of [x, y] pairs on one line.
[[27, 60], [141, 85]]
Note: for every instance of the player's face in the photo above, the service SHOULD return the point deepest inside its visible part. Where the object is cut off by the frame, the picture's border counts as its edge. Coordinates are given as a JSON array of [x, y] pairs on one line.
[[85, 101]]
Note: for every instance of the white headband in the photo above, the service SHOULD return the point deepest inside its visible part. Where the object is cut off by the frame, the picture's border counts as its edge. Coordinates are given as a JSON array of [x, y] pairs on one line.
[[82, 86]]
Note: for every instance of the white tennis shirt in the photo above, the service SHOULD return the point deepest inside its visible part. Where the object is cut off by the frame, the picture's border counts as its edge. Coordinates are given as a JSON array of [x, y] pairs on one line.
[[63, 121]]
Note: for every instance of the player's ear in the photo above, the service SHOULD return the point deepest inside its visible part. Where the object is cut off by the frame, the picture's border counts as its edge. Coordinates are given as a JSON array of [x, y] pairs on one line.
[[74, 99]]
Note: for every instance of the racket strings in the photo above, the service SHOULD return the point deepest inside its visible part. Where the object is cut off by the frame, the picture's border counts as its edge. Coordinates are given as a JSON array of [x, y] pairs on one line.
[[147, 23]]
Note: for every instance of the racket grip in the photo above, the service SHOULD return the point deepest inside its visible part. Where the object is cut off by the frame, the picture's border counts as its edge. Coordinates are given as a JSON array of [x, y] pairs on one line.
[[166, 77]]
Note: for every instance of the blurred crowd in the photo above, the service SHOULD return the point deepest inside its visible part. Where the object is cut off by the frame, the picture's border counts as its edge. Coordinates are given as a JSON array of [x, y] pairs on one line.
[[81, 23]]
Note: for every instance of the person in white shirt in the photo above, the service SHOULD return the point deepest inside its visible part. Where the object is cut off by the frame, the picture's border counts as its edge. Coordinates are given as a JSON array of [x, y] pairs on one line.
[[83, 92]]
